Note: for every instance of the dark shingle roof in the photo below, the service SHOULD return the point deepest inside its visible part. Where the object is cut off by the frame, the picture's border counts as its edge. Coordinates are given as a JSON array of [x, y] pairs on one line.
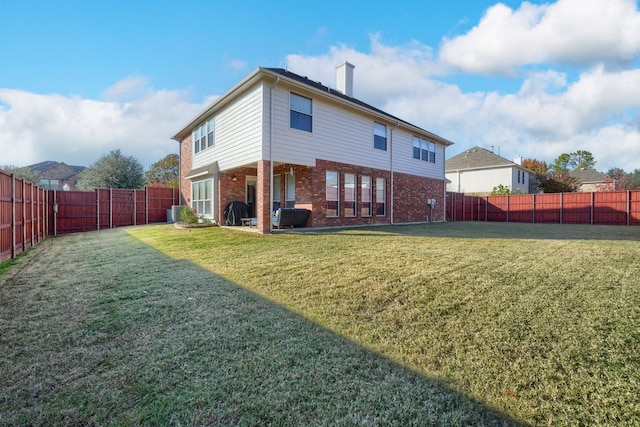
[[48, 164], [337, 93], [43, 166], [476, 158], [317, 86], [588, 175]]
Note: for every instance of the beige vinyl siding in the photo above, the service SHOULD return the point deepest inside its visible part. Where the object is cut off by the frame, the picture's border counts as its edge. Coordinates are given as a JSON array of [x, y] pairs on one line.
[[404, 162], [338, 135], [238, 133]]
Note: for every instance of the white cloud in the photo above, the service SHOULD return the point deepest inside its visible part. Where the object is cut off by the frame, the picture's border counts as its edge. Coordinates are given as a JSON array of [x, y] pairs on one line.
[[237, 64], [78, 131], [575, 32], [595, 108], [549, 115]]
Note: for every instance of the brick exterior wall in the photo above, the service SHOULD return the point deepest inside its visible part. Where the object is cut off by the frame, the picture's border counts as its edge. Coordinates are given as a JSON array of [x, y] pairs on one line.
[[233, 191], [263, 199], [411, 193], [186, 163], [319, 218], [60, 170]]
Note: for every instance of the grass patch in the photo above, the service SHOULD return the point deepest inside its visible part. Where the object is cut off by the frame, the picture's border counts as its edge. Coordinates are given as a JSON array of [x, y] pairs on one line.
[[434, 324]]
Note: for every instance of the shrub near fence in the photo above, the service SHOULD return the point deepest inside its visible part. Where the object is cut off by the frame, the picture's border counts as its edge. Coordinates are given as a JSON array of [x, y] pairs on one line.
[[22, 215], [606, 208]]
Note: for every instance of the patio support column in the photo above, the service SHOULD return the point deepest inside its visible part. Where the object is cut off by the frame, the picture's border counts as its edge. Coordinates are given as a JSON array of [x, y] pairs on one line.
[[263, 196]]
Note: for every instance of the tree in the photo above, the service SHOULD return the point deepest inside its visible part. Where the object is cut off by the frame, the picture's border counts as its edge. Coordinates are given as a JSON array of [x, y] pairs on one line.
[[501, 190], [582, 159], [164, 171], [616, 179], [557, 182], [535, 165], [632, 180], [554, 179], [579, 159], [113, 170], [561, 163], [23, 172], [504, 190]]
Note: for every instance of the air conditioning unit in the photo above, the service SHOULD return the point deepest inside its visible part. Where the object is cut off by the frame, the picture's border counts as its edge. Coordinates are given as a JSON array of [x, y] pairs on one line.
[[175, 213]]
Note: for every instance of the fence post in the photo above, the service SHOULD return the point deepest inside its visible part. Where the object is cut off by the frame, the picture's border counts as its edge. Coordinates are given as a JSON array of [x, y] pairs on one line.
[[46, 211], [97, 208], [533, 209], [111, 208], [561, 205], [135, 207], [146, 201], [13, 216], [32, 224], [628, 207], [508, 208], [55, 213], [24, 217], [593, 201], [453, 205], [464, 207], [486, 207]]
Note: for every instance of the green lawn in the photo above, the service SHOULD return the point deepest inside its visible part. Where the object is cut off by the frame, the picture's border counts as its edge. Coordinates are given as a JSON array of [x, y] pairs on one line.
[[436, 324]]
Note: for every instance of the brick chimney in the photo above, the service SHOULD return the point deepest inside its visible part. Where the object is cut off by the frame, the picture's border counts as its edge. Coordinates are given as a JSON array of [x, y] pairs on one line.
[[344, 78]]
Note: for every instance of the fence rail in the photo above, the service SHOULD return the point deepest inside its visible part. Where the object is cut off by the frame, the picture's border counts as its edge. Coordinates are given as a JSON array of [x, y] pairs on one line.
[[29, 213], [606, 208]]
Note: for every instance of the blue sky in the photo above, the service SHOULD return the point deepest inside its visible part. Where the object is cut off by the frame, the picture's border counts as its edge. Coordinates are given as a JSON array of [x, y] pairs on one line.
[[79, 78]]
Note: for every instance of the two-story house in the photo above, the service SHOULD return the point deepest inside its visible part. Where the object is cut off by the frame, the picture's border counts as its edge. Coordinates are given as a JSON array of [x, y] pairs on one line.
[[57, 175], [278, 139], [478, 171]]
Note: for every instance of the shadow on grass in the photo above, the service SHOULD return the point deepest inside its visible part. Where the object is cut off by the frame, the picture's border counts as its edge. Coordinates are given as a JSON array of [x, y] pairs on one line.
[[494, 230], [134, 337]]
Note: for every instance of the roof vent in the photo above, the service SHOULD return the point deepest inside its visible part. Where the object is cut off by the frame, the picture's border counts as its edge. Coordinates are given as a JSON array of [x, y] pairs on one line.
[[344, 78]]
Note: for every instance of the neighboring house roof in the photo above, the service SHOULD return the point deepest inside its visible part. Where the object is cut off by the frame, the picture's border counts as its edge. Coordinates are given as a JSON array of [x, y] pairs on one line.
[[296, 79], [43, 166], [588, 176], [478, 158], [66, 171]]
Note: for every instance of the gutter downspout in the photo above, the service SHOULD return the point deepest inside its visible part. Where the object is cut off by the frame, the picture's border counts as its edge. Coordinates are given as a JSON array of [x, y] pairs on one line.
[[391, 170], [270, 152]]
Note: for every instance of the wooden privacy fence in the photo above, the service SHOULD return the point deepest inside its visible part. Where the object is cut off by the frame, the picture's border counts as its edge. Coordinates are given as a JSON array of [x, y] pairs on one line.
[[29, 213], [78, 211], [606, 208], [23, 221]]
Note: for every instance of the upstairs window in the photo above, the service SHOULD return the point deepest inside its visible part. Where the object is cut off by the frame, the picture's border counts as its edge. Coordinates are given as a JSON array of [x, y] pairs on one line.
[[301, 109], [380, 136], [203, 136], [424, 150], [416, 147]]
